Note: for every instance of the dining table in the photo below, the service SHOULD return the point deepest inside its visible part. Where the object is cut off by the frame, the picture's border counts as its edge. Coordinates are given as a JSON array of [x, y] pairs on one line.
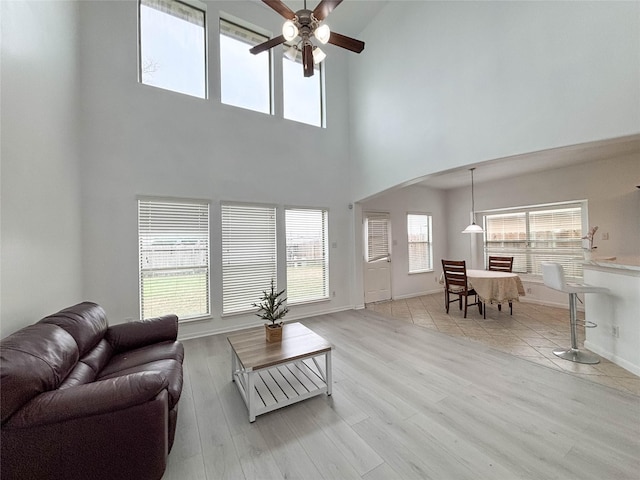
[[496, 287]]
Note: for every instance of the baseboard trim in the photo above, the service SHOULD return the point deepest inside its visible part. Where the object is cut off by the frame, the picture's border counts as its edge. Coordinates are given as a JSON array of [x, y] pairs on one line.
[[621, 362], [257, 323]]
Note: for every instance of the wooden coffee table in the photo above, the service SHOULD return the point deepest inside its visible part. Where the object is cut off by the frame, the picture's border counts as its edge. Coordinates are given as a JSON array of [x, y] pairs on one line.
[[273, 375]]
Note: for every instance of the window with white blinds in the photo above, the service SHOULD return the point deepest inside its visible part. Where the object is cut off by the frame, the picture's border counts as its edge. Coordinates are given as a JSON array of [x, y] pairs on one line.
[[549, 233], [377, 237], [307, 255], [248, 255], [419, 241], [173, 237]]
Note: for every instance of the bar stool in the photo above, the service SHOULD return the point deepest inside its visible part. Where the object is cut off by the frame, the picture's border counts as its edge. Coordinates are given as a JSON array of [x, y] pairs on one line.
[[553, 277]]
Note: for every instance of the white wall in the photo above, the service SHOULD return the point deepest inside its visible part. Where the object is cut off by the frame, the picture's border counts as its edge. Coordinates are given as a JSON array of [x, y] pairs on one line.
[[40, 196], [446, 84], [140, 140], [609, 186], [398, 203]]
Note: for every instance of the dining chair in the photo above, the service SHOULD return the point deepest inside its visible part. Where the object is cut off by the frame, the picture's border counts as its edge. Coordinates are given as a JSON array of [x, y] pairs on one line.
[[502, 264], [553, 277], [455, 279]]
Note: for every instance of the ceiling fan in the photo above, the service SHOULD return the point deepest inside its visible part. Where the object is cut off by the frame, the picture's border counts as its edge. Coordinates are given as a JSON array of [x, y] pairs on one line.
[[305, 24]]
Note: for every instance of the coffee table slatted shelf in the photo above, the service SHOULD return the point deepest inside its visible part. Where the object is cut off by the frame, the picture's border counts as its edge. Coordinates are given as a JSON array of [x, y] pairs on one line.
[[272, 376]]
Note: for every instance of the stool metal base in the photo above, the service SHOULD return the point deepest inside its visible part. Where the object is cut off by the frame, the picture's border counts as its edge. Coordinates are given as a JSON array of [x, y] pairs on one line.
[[577, 356]]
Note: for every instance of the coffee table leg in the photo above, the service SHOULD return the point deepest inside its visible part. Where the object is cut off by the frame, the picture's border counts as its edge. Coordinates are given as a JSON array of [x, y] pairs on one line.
[[233, 365], [250, 393], [327, 367]]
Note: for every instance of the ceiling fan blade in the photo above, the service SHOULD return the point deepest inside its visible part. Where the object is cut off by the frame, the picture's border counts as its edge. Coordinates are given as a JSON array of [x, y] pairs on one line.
[[346, 42], [324, 8], [267, 45], [281, 8], [307, 60]]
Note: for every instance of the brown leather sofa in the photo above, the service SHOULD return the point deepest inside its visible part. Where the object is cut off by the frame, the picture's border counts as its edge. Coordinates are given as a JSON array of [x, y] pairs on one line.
[[82, 400]]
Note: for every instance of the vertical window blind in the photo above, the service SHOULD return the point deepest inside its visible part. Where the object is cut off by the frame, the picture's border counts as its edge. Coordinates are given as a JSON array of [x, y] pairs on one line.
[[307, 255], [537, 234], [248, 255], [377, 236], [173, 241], [419, 240]]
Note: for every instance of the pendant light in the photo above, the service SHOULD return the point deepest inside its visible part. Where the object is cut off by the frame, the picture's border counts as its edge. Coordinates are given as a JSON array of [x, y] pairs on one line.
[[473, 228]]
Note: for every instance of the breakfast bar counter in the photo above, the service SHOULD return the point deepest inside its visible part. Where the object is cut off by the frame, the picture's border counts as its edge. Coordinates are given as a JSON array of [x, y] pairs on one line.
[[617, 337]]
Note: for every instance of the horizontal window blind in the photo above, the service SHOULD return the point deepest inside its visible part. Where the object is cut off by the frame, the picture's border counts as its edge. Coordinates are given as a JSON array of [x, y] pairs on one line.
[[177, 9], [535, 235], [240, 33], [248, 255], [377, 236], [174, 258], [419, 241], [307, 255]]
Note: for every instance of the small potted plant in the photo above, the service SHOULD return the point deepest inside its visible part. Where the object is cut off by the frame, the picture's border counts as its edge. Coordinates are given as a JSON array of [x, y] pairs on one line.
[[271, 308], [588, 251]]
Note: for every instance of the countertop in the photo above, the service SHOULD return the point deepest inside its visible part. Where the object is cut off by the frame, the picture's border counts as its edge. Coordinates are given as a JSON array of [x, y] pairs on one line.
[[621, 263]]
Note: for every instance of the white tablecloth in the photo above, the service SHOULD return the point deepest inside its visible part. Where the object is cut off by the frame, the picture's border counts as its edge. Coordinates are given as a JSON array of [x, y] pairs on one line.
[[496, 287]]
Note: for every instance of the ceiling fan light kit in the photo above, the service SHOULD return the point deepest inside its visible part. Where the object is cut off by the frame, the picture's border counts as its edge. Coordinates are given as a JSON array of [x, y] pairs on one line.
[[307, 24]]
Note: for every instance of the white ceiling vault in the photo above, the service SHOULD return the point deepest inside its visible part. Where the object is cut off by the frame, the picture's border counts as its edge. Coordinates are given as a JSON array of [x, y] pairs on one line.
[[513, 166], [349, 18]]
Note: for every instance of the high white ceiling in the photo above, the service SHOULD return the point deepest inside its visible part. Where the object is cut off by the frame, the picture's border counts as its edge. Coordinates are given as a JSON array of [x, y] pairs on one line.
[[349, 18], [533, 162]]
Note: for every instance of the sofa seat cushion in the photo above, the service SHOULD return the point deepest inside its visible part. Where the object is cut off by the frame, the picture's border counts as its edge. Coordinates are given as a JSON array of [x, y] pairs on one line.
[[171, 369], [141, 356]]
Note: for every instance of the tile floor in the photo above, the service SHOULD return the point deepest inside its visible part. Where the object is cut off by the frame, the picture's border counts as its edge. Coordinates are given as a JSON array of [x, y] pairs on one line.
[[532, 333]]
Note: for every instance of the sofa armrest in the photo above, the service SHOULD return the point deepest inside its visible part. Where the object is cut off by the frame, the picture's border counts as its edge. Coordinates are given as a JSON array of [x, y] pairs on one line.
[[127, 336], [103, 396]]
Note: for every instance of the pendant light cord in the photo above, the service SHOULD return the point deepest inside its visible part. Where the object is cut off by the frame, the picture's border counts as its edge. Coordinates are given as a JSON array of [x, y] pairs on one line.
[[473, 204]]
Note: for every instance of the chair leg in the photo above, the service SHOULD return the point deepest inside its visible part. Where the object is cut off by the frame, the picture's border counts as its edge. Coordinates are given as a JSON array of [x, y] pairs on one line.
[[484, 312], [500, 307], [510, 308], [460, 301], [446, 300], [466, 301]]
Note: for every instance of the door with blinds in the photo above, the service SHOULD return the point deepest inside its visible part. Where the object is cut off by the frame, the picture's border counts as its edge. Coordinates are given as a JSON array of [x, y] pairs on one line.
[[377, 257]]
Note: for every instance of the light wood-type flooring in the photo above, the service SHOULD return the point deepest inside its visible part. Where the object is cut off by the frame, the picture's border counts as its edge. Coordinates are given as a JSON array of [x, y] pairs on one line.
[[413, 402]]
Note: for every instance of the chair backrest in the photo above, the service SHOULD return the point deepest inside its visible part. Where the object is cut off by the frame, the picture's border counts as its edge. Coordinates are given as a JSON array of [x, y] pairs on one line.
[[553, 276], [501, 264], [455, 273]]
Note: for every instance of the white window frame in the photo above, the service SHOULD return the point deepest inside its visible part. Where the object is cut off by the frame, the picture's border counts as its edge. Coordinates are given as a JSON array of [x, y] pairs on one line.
[[174, 242], [319, 75], [428, 243], [249, 260], [300, 257], [527, 257], [253, 36], [192, 4]]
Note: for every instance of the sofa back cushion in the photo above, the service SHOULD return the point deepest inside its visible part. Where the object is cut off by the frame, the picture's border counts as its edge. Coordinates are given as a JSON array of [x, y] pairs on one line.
[[86, 322], [33, 360]]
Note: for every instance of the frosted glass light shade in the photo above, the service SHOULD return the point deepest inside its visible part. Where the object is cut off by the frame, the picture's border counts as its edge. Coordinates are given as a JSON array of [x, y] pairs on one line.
[[318, 55], [291, 53], [289, 30], [322, 33], [473, 228]]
